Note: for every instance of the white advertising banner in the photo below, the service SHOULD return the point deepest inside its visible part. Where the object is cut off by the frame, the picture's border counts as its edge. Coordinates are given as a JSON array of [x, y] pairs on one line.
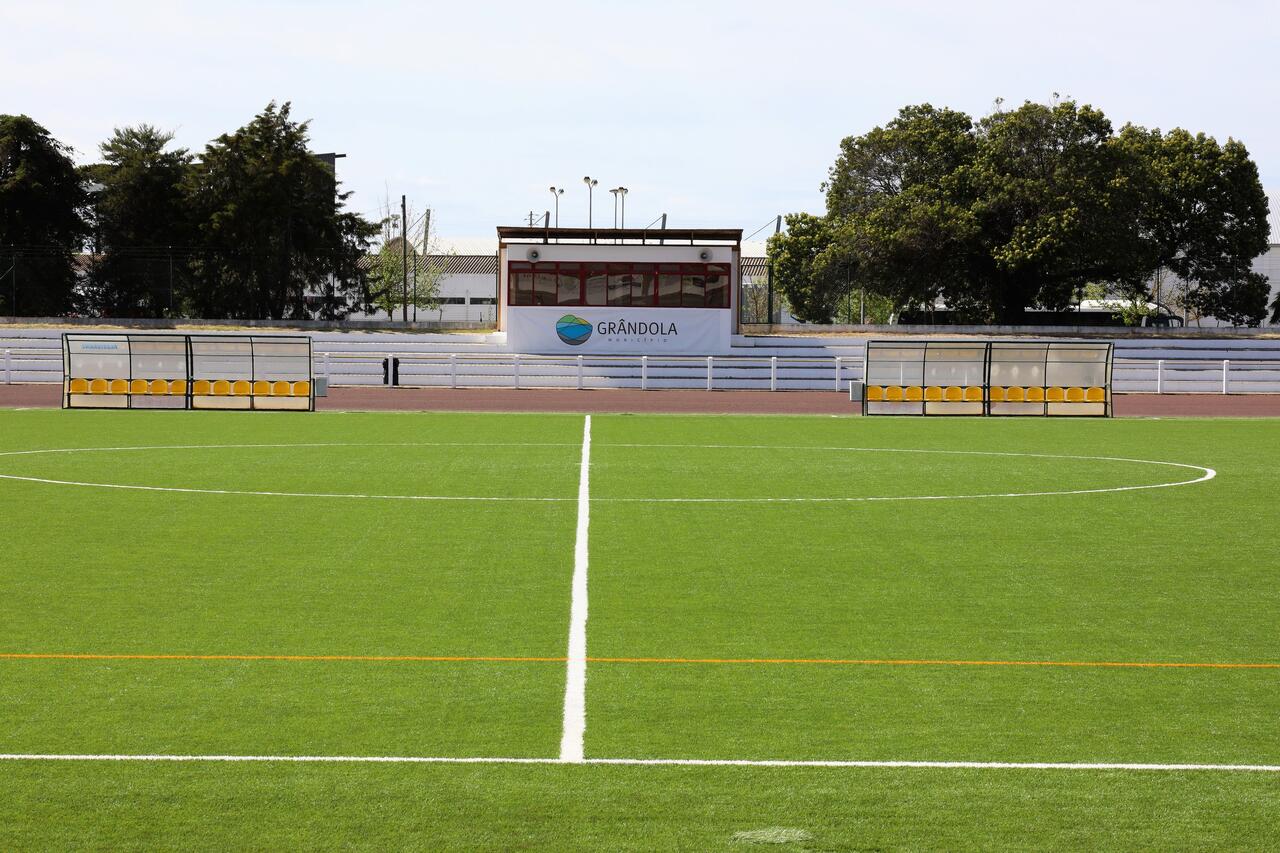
[[577, 329]]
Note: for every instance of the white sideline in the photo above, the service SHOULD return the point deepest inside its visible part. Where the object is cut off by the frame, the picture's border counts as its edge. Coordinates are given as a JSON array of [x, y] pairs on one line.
[[575, 688], [652, 762]]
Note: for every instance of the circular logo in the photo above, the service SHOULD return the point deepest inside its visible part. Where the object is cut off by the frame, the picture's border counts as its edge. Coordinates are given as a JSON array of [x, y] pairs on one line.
[[574, 331]]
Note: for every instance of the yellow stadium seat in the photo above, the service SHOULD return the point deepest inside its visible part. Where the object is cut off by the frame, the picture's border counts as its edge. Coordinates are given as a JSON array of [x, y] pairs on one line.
[[158, 386], [139, 386], [99, 386], [1015, 394], [262, 388], [1075, 395], [119, 386], [79, 386], [221, 388], [241, 387], [178, 386], [202, 387], [1054, 394], [914, 394], [302, 389], [973, 394], [955, 394], [893, 393], [933, 394], [1035, 394], [997, 394], [875, 393], [1096, 395]]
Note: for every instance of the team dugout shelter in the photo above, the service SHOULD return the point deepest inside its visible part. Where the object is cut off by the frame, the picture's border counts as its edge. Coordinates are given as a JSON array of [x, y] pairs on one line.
[[1068, 378], [618, 290], [177, 371]]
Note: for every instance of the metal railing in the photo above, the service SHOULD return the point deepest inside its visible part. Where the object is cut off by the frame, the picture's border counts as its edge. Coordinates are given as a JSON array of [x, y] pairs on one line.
[[645, 372], [773, 373]]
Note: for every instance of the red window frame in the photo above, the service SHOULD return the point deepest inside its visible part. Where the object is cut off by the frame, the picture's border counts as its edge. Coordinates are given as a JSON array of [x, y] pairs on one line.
[[651, 271]]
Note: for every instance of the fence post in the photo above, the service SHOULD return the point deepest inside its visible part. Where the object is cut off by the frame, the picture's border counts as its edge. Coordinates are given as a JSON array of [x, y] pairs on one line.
[[579, 373], [1226, 367], [773, 373], [453, 370], [644, 373], [8, 367], [1159, 375], [837, 373], [515, 370], [709, 362]]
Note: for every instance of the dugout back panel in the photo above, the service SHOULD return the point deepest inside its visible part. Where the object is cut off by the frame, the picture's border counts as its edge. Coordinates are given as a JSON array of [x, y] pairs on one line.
[[175, 371], [1070, 378]]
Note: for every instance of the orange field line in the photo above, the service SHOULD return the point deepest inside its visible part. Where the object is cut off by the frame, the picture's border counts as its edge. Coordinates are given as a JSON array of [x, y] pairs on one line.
[[654, 660]]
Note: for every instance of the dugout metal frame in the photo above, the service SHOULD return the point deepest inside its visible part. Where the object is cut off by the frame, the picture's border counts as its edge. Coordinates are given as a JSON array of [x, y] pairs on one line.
[[187, 371], [1016, 378]]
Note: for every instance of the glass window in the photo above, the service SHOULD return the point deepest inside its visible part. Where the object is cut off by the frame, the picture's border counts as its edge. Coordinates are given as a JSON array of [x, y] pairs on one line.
[[717, 286], [544, 286], [597, 285], [521, 288], [695, 286], [570, 290], [619, 285], [669, 286], [642, 285]]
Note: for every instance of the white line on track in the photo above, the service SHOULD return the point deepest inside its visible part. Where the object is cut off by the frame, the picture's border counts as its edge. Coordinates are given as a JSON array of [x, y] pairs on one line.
[[653, 762], [1205, 474], [575, 689]]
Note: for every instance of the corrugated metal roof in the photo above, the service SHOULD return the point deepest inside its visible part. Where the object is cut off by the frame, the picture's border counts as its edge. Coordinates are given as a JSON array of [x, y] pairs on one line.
[[754, 267], [467, 264]]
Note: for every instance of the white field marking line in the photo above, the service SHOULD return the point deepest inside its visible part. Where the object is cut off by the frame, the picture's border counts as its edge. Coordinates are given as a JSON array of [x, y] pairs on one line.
[[1206, 474], [499, 498], [652, 762], [575, 687]]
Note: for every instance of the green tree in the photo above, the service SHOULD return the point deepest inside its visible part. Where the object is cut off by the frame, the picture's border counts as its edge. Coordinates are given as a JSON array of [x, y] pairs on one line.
[[41, 223], [1052, 209], [275, 240], [1024, 209], [1203, 216], [803, 271], [141, 225], [400, 275]]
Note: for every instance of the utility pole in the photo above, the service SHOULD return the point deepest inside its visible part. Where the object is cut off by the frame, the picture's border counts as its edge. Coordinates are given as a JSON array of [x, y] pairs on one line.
[[404, 257], [426, 238], [777, 228]]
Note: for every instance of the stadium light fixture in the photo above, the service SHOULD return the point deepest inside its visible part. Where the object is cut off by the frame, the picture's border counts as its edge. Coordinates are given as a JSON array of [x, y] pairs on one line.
[[556, 193], [591, 185]]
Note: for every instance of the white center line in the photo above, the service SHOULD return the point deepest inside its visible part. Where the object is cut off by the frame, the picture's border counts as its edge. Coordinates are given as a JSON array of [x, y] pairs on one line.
[[575, 689]]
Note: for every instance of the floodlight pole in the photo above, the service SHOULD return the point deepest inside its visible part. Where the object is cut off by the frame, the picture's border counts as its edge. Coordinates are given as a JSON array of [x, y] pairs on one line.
[[777, 228], [623, 192], [555, 194], [591, 185], [404, 258]]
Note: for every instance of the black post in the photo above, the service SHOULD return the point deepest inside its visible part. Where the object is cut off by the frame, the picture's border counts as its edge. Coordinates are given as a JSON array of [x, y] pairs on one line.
[[170, 281], [404, 258], [777, 228]]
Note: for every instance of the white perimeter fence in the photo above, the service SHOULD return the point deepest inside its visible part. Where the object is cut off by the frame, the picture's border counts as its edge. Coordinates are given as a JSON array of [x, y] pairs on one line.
[[348, 362], [756, 373]]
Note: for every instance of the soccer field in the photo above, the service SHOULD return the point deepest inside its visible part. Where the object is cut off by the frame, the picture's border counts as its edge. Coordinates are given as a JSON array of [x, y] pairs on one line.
[[637, 632]]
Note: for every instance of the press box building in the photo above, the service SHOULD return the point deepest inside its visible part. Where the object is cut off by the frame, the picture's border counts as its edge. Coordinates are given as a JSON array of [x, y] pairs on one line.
[[618, 290]]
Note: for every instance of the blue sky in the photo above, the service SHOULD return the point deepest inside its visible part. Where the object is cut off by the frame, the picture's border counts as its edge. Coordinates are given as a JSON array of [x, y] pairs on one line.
[[719, 114]]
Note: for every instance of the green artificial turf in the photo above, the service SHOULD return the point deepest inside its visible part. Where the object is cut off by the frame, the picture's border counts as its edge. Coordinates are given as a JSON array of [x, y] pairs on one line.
[[1181, 574]]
